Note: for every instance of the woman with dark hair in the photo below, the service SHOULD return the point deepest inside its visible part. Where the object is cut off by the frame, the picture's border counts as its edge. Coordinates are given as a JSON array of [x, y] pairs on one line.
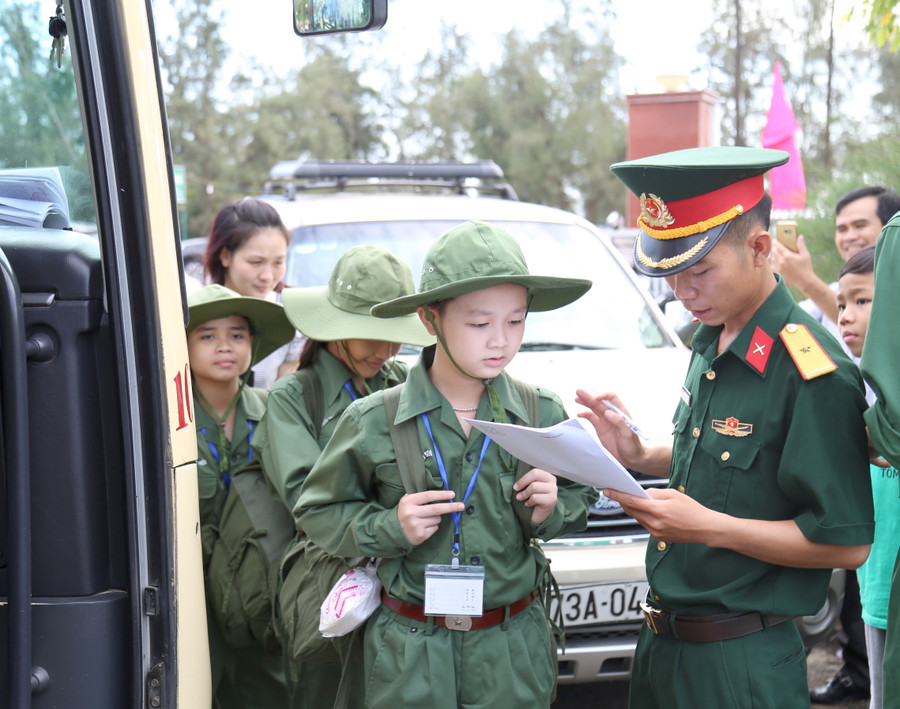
[[247, 252]]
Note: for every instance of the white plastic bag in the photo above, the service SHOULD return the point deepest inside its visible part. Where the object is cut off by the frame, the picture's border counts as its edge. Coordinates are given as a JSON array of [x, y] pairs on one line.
[[351, 601]]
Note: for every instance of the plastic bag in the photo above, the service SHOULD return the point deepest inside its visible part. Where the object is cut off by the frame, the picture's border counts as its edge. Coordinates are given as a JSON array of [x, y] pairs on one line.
[[351, 601]]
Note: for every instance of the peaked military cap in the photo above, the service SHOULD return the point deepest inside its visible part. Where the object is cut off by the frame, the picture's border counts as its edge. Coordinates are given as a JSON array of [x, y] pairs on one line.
[[689, 197], [473, 256], [268, 323]]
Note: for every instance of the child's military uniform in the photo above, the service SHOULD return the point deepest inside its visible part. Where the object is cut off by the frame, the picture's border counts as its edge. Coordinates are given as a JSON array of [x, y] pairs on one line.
[[348, 506], [246, 677], [505, 656], [289, 441], [879, 364], [769, 429]]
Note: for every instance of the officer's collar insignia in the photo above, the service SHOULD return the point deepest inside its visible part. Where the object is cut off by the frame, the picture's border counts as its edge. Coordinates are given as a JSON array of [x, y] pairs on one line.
[[732, 427], [759, 350], [809, 356], [654, 211]]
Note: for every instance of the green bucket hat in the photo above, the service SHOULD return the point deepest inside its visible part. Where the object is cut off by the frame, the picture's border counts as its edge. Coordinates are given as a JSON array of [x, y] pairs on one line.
[[268, 323], [474, 256], [362, 277], [688, 199]]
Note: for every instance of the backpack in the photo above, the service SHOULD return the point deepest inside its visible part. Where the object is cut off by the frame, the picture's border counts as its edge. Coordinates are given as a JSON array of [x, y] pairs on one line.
[[242, 577], [308, 572], [405, 438]]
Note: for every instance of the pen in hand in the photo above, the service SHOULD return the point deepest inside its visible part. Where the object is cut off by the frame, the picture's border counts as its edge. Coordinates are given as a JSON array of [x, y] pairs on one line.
[[631, 424]]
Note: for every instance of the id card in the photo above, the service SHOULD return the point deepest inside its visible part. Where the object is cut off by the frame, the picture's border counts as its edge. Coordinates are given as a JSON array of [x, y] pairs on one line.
[[450, 591]]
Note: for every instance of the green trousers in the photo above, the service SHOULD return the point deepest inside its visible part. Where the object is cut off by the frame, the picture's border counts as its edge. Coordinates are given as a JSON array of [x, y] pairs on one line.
[[508, 666], [765, 670]]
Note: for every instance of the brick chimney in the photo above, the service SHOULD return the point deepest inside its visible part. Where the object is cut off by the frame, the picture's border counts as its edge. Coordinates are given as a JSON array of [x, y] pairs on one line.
[[667, 121]]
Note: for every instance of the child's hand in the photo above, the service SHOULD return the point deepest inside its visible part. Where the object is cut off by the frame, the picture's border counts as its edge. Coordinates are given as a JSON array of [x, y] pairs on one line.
[[537, 489], [420, 513]]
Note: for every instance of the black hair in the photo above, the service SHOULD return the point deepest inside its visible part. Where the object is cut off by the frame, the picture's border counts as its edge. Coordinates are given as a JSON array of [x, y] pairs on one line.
[[861, 262], [233, 224], [740, 226], [888, 201]]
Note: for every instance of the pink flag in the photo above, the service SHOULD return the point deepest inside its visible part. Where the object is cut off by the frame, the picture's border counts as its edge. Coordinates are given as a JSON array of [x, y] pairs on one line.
[[787, 183]]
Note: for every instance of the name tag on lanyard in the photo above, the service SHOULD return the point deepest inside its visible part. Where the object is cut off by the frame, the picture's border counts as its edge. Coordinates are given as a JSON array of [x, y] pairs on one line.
[[453, 590]]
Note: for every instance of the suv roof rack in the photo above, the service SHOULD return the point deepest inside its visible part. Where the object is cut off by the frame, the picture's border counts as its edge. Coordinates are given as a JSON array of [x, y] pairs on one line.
[[484, 177]]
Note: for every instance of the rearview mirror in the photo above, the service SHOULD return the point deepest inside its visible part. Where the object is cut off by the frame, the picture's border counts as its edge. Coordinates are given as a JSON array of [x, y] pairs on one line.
[[330, 16]]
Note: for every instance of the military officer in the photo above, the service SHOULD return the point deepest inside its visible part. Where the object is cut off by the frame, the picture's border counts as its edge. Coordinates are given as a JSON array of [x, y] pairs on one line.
[[769, 485]]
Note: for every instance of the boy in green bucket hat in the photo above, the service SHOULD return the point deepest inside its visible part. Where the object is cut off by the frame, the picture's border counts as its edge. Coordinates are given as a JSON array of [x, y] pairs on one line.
[[768, 471], [226, 334], [458, 625], [347, 354]]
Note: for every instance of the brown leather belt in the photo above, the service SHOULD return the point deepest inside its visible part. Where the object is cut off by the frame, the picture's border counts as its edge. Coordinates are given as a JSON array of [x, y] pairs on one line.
[[489, 618], [708, 628]]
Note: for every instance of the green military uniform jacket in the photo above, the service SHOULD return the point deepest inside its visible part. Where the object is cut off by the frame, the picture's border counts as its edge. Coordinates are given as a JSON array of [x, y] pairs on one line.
[[348, 504], [754, 439], [879, 365], [287, 441], [211, 482]]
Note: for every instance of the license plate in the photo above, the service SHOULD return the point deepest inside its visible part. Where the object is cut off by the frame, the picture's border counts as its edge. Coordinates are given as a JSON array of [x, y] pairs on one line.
[[602, 603]]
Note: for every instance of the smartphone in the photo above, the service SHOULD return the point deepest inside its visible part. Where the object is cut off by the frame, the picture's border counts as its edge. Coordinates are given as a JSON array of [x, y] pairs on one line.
[[786, 233]]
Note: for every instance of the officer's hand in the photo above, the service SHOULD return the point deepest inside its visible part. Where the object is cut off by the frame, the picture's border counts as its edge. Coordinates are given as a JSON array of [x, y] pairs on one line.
[[794, 266], [419, 513], [669, 515], [611, 428], [537, 489]]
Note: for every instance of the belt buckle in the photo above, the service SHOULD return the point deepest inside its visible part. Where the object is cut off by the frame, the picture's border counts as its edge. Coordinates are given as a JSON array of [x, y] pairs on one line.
[[458, 622], [650, 615]]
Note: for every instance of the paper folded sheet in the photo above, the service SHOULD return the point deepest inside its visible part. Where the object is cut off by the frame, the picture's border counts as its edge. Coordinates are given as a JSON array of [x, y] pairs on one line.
[[570, 449]]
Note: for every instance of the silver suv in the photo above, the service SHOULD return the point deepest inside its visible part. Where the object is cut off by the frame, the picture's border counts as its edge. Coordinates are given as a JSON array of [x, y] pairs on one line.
[[613, 338]]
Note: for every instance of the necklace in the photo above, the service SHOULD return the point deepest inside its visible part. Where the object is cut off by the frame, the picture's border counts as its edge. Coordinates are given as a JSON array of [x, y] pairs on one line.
[[474, 408]]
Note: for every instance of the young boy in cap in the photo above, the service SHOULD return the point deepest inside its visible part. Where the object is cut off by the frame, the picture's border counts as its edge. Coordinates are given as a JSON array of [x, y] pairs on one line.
[[769, 485], [458, 625], [349, 353], [226, 334]]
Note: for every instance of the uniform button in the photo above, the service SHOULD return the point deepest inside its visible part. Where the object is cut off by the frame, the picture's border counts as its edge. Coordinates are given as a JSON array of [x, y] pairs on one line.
[[475, 560], [661, 546], [470, 510], [680, 488], [696, 433], [401, 550], [655, 597], [710, 375], [469, 457], [542, 531], [726, 455]]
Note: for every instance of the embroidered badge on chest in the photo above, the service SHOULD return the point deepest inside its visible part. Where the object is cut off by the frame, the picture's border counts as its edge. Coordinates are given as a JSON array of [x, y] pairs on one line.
[[732, 427]]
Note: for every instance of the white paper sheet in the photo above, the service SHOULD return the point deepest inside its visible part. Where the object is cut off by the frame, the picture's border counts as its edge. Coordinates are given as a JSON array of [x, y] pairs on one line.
[[570, 449]]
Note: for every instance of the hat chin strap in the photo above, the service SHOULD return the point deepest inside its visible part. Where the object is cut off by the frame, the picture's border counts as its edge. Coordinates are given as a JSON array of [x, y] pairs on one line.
[[352, 368]]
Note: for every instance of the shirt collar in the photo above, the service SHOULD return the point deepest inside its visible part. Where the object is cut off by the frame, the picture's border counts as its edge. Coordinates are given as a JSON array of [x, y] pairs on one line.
[[420, 395], [770, 317]]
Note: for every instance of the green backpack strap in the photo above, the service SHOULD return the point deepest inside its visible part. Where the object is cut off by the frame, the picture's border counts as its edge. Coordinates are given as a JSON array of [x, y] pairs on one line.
[[312, 395], [405, 437]]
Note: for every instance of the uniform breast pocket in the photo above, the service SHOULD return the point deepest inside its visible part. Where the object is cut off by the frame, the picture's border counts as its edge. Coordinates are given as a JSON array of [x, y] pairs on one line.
[[732, 462], [389, 485]]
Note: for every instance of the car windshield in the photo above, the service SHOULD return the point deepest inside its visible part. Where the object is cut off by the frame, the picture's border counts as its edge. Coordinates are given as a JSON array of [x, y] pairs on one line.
[[614, 314]]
